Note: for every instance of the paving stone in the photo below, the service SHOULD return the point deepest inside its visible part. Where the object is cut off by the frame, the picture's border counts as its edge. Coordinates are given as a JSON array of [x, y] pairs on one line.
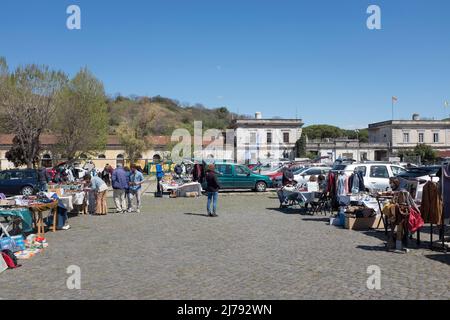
[[252, 251]]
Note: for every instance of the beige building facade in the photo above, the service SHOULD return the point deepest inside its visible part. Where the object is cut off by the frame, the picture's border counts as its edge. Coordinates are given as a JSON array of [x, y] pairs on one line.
[[406, 134], [262, 140]]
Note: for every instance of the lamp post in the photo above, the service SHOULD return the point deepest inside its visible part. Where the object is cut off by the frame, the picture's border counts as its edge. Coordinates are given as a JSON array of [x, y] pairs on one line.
[[357, 150]]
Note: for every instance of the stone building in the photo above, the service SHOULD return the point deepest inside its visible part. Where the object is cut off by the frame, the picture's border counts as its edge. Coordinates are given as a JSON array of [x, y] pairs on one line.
[[262, 140]]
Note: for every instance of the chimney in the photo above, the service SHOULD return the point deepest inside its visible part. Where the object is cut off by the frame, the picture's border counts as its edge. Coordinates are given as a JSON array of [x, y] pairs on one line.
[[258, 115], [416, 117]]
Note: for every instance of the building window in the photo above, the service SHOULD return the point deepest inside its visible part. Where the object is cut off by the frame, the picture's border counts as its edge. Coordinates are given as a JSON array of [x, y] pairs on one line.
[[286, 137], [421, 138], [364, 156], [102, 156], [252, 137], [269, 137], [436, 137], [406, 138]]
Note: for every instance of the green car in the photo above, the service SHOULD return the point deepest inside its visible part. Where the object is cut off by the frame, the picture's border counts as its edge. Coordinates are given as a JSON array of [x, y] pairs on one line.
[[235, 176]]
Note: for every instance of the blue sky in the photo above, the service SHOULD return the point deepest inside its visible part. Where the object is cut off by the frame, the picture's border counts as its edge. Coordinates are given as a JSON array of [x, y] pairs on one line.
[[316, 58]]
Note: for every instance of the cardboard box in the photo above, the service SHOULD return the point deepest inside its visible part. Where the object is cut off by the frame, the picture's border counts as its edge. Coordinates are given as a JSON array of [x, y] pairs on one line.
[[58, 191], [7, 202], [363, 224]]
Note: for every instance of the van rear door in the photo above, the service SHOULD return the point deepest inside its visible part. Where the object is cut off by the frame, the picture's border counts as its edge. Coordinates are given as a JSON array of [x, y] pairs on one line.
[[378, 178]]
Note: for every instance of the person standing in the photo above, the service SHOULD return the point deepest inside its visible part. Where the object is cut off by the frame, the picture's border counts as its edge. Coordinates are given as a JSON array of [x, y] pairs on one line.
[[136, 181], [159, 176], [99, 187], [127, 190], [120, 183], [43, 179], [106, 175], [212, 189]]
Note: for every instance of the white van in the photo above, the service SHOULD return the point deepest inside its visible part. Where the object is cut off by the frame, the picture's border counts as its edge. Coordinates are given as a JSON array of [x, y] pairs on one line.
[[376, 174]]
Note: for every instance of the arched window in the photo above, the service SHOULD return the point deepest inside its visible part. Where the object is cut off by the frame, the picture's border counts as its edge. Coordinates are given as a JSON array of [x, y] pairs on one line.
[[101, 156], [156, 158], [47, 161], [120, 160]]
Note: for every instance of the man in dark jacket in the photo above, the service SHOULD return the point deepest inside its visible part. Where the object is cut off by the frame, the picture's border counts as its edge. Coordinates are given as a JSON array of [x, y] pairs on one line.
[[212, 188], [44, 179]]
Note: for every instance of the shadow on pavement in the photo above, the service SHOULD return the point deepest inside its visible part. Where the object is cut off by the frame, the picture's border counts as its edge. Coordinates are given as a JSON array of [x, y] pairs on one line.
[[197, 214], [373, 248], [444, 258], [286, 210], [317, 219]]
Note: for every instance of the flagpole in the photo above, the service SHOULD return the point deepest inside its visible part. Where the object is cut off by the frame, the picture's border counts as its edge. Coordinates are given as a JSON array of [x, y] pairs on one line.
[[392, 109]]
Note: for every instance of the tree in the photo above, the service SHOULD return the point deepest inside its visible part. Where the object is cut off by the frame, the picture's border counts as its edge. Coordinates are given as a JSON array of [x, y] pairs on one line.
[[132, 134], [301, 147], [134, 146], [16, 154], [28, 99], [81, 121], [362, 134], [426, 152], [322, 132]]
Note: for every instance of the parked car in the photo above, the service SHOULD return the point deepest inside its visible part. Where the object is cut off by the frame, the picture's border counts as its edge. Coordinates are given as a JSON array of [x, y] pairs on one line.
[[376, 174], [234, 176], [278, 180], [269, 167], [421, 173], [304, 175], [19, 182]]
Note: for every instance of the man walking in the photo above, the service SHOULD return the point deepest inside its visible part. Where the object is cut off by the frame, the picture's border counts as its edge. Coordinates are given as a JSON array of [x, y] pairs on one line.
[[212, 189], [120, 182], [159, 176], [136, 181]]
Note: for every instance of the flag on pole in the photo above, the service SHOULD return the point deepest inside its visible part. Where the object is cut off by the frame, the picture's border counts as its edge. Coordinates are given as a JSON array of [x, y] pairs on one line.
[[394, 99]]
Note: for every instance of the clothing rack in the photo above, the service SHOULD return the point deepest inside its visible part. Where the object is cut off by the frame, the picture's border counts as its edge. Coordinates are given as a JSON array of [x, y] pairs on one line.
[[442, 227]]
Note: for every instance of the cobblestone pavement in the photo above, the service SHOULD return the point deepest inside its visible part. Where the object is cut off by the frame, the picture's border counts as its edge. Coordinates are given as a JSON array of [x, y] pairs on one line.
[[252, 251]]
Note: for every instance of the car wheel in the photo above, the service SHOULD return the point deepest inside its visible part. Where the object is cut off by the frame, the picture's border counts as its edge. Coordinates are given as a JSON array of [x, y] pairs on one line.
[[27, 191], [261, 187]]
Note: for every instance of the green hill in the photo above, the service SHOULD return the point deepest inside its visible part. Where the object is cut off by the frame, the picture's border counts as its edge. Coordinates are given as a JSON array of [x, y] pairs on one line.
[[167, 114]]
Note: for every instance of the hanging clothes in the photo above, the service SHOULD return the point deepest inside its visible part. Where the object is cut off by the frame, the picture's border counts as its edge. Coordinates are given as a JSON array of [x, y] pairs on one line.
[[362, 186], [197, 173], [431, 207], [355, 183], [341, 185], [331, 183]]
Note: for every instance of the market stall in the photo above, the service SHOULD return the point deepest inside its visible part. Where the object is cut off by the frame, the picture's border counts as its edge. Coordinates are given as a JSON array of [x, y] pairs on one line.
[[175, 186]]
